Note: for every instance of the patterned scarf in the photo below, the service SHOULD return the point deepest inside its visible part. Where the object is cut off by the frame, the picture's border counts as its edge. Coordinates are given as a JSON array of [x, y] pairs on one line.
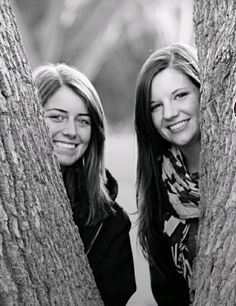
[[183, 194]]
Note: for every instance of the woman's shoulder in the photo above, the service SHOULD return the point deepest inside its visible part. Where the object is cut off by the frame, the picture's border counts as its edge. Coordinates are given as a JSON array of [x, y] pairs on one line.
[[117, 215], [120, 212], [111, 185], [118, 219]]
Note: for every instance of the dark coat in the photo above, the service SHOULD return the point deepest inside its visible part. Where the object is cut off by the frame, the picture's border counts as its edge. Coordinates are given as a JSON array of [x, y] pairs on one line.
[[107, 245], [169, 288]]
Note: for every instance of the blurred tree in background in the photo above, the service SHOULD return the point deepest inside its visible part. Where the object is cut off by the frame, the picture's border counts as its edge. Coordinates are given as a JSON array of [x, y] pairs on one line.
[[108, 40]]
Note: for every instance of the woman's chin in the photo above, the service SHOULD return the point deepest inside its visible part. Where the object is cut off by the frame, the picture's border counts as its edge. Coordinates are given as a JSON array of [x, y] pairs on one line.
[[66, 161]]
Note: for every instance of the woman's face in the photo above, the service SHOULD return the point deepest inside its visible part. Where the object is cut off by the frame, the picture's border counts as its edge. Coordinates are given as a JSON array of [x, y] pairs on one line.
[[175, 107], [70, 125]]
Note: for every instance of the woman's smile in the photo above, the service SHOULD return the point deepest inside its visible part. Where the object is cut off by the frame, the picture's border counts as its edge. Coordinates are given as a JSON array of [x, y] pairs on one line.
[[178, 126], [64, 145]]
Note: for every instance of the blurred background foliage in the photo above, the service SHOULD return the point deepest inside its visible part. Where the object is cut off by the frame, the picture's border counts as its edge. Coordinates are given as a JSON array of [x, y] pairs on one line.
[[108, 40]]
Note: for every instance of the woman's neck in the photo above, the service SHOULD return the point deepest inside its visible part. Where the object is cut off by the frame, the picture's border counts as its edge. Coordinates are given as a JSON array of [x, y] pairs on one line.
[[191, 156]]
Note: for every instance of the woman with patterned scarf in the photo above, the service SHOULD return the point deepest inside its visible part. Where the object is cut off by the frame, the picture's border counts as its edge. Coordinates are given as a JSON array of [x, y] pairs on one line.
[[168, 138]]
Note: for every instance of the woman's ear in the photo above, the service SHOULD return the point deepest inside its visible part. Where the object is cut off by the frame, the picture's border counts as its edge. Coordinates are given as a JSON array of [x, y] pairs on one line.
[[234, 107]]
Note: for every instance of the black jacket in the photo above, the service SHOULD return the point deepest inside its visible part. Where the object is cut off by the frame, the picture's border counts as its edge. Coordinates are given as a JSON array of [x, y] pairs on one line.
[[107, 245], [169, 288]]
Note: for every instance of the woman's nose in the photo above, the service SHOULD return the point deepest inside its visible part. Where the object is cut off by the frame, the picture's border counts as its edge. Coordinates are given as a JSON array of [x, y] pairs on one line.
[[70, 129], [170, 111]]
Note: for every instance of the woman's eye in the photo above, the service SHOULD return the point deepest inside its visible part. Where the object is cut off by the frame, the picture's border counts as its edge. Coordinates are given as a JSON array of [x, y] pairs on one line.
[[155, 106], [180, 95], [56, 118], [83, 121]]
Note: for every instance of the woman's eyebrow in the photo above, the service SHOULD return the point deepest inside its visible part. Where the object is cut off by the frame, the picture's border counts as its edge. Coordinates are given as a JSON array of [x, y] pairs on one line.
[[84, 114], [66, 112], [178, 89], [56, 109], [155, 101]]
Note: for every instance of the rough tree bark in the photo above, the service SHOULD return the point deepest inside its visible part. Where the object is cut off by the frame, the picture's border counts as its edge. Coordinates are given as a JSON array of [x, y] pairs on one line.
[[215, 267], [42, 260]]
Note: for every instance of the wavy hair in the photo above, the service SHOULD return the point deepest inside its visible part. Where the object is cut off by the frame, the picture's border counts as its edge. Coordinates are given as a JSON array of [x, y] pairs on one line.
[[49, 78], [151, 196]]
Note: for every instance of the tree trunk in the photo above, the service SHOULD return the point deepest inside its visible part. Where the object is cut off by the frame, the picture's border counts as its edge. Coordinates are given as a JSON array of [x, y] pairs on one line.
[[215, 266], [42, 260]]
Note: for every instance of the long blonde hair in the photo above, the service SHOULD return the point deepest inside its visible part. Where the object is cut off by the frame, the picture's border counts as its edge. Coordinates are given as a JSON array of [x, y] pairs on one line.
[[49, 78]]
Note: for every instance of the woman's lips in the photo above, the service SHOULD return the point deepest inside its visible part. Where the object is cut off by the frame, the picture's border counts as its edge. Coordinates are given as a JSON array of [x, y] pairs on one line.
[[178, 125], [65, 145]]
